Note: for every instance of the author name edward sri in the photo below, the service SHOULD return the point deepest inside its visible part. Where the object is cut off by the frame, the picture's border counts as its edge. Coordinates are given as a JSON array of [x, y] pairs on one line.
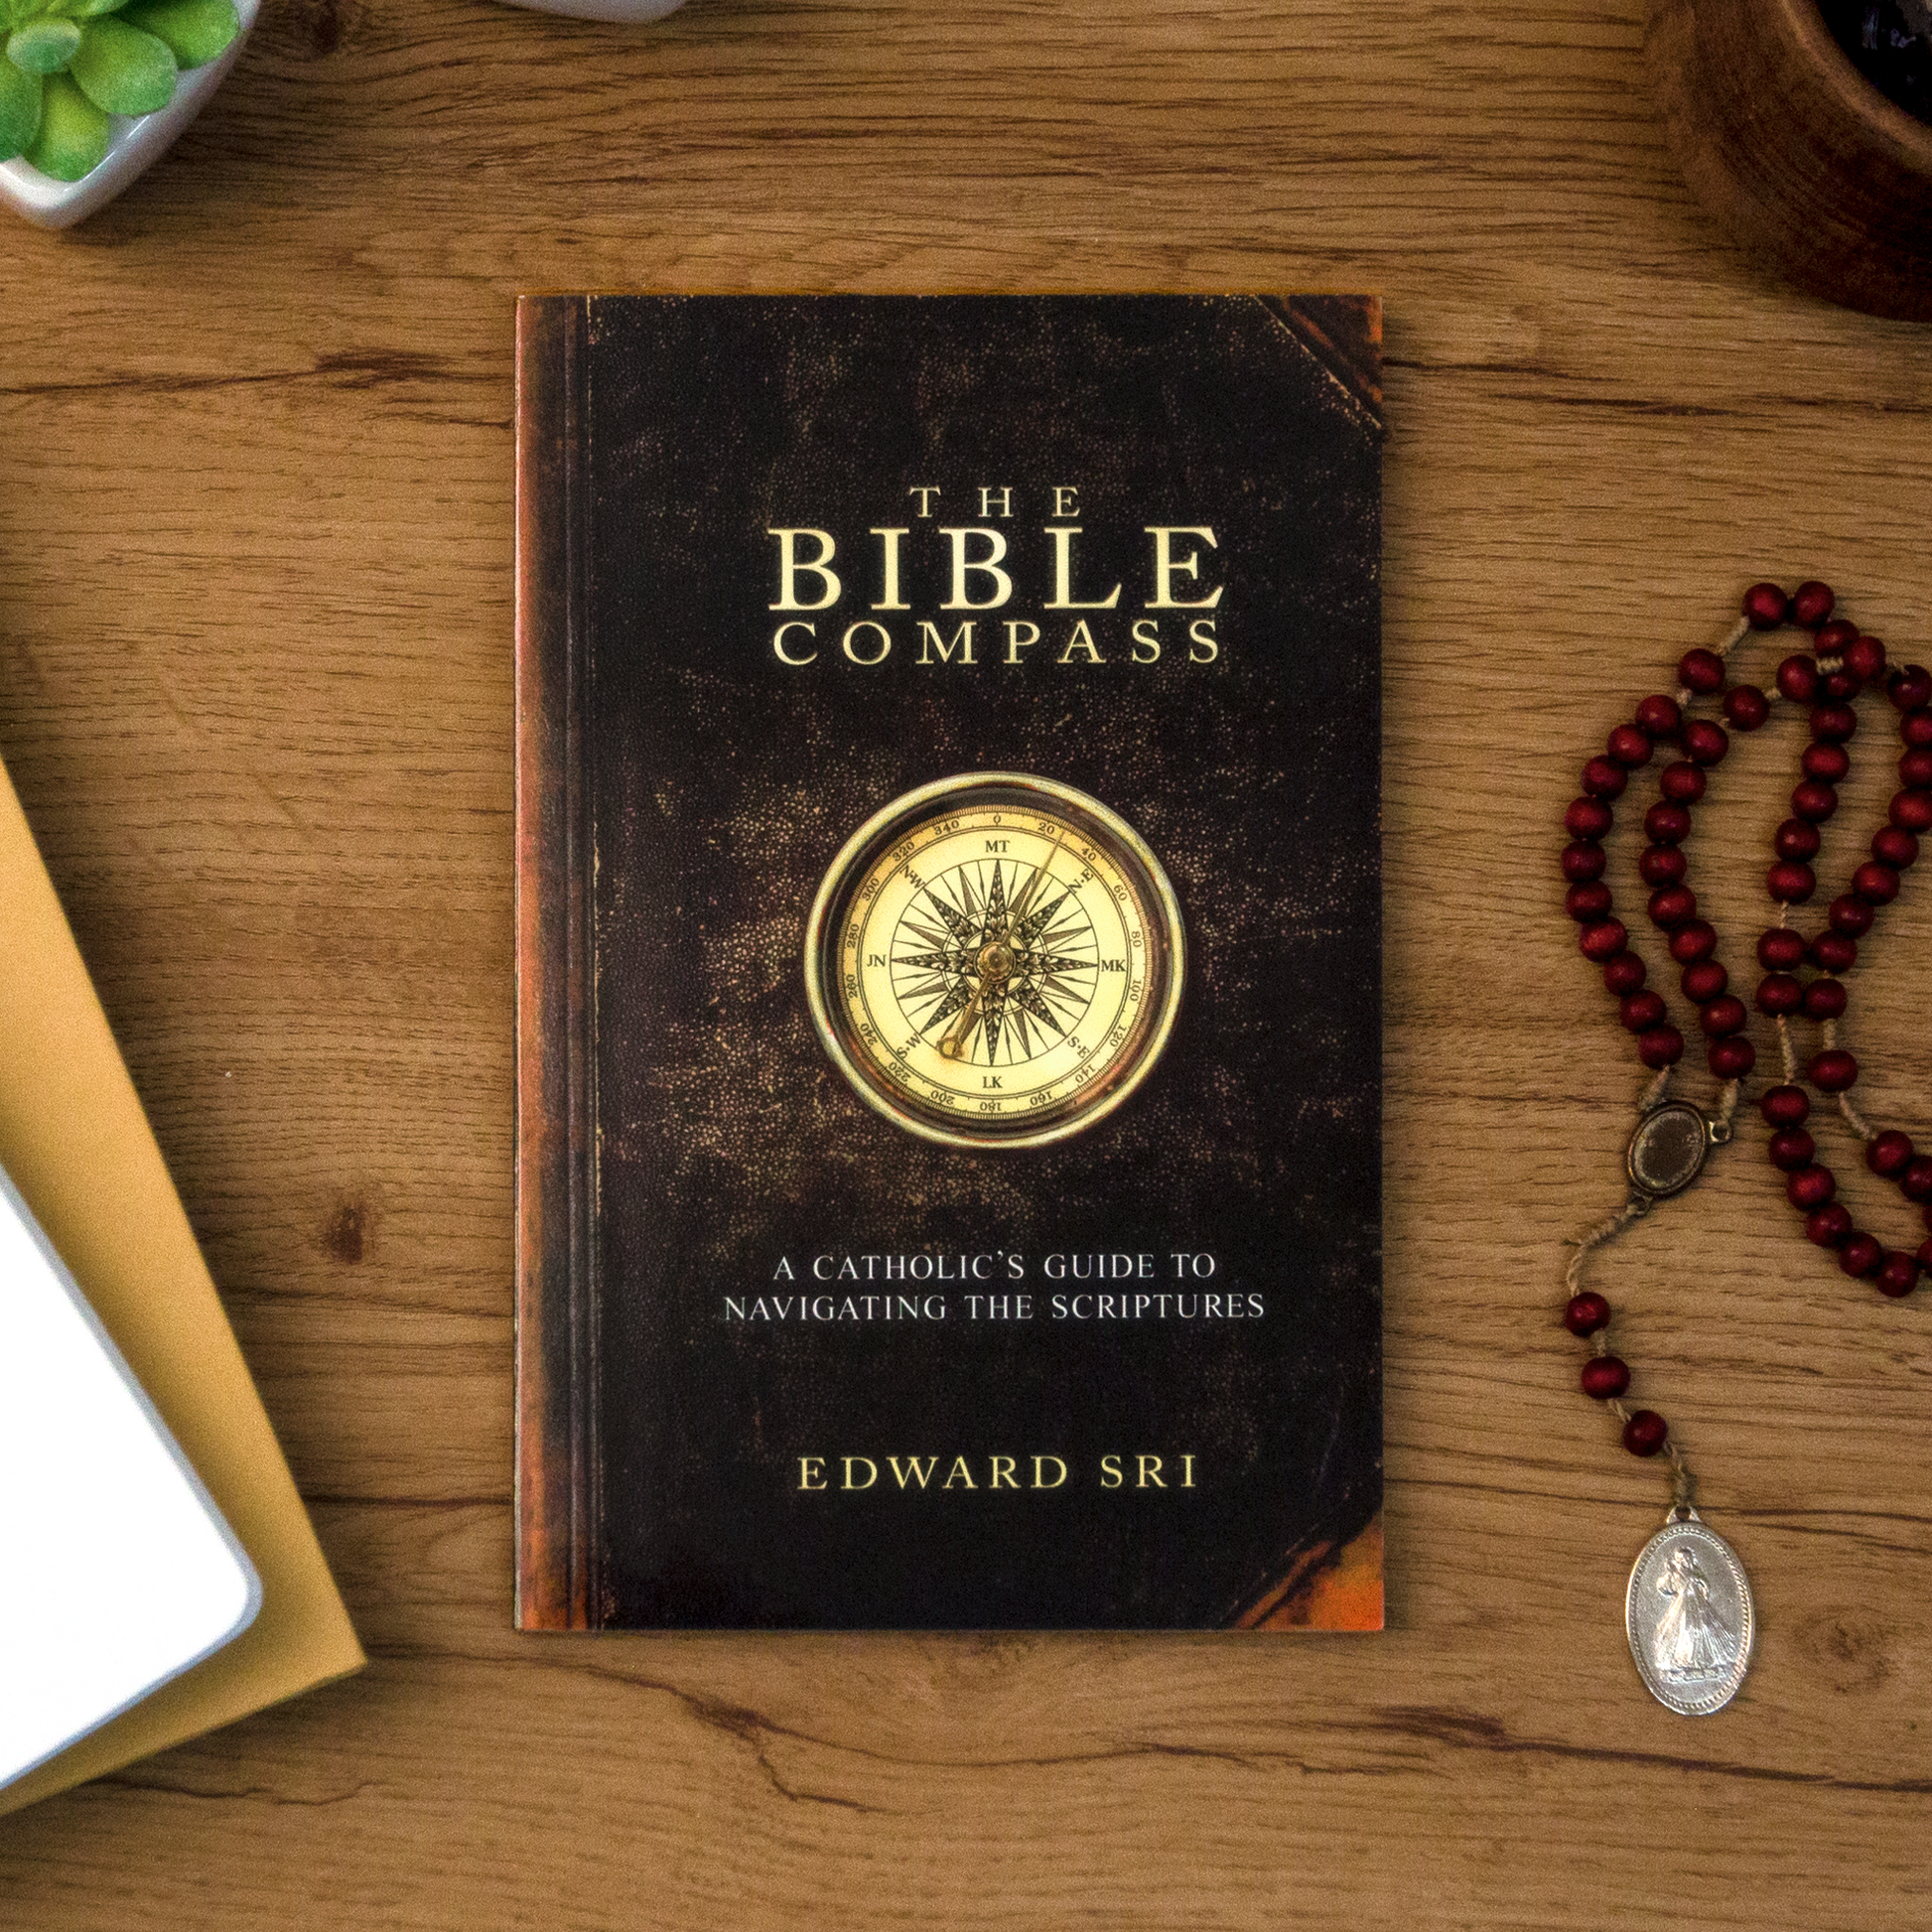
[[1021, 1473]]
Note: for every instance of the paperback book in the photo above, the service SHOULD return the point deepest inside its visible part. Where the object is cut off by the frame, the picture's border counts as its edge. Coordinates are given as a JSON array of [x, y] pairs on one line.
[[948, 952]]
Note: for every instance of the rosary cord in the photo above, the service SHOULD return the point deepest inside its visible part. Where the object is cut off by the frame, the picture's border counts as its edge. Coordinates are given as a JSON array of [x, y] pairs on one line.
[[1606, 1229]]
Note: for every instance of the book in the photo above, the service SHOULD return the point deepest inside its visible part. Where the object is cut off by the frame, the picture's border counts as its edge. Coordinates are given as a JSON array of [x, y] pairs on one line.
[[949, 953], [77, 1144]]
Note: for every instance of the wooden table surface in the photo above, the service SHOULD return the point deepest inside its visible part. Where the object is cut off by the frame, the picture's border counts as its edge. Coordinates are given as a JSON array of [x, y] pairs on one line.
[[255, 556]]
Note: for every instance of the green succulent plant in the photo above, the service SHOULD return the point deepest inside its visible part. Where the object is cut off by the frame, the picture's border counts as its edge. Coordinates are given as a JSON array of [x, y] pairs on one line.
[[67, 64]]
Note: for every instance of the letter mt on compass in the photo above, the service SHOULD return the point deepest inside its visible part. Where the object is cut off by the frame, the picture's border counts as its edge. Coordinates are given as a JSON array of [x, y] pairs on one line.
[[995, 960]]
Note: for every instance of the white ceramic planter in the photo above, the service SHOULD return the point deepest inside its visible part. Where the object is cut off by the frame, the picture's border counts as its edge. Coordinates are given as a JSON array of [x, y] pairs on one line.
[[135, 147], [635, 11]]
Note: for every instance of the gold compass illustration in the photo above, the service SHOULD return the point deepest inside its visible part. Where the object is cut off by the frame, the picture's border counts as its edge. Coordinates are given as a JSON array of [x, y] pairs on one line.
[[995, 960]]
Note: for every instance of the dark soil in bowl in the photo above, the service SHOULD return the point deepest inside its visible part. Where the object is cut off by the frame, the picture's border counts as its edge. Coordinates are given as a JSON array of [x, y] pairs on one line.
[[1890, 44]]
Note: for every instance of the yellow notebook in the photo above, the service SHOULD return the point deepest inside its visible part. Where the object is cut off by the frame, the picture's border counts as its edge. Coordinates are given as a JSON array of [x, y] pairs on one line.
[[77, 1143]]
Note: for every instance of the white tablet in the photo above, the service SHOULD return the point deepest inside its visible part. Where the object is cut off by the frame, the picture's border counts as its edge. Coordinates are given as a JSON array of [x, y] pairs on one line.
[[116, 1570]]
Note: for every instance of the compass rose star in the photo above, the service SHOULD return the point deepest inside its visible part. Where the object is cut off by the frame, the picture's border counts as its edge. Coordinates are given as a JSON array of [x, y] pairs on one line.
[[996, 906]]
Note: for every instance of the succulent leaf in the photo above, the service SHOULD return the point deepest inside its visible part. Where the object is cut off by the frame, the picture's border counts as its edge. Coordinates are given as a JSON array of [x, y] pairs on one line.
[[195, 31], [123, 69], [73, 132], [20, 109], [43, 45], [93, 9]]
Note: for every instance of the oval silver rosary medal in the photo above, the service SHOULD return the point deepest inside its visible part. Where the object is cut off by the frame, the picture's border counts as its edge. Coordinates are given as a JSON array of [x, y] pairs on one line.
[[1690, 1616]]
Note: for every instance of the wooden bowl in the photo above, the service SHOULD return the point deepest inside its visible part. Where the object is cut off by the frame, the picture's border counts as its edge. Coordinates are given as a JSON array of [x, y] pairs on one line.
[[1794, 151]]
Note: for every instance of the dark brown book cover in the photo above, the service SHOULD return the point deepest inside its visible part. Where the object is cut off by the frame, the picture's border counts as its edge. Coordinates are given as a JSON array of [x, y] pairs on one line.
[[949, 954]]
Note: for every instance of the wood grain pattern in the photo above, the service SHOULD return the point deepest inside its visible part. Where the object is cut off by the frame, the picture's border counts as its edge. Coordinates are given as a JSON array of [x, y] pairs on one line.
[[256, 692]]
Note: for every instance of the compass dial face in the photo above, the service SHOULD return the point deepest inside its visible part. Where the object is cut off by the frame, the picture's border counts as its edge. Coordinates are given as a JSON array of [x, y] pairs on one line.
[[995, 960]]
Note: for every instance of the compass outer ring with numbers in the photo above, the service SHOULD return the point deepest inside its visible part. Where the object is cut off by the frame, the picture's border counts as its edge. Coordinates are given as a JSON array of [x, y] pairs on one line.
[[1154, 906]]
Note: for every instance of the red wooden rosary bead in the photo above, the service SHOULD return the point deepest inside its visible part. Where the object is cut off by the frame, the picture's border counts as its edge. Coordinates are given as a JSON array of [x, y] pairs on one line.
[[1682, 782], [1915, 728], [1916, 1181], [1624, 974], [1583, 861], [1865, 658], [1662, 865], [1786, 1106], [1915, 767], [1746, 707], [1830, 1225], [1644, 1433], [1643, 1010], [1603, 940], [1810, 1189], [1666, 824], [1795, 838], [1659, 716], [1797, 679], [1811, 800], [1692, 943], [1826, 762], [1833, 637], [1703, 741], [1587, 905], [1765, 606], [1660, 1047], [1889, 1153], [1604, 778], [1834, 1070], [1849, 915], [1833, 724], [1724, 1016], [1824, 999], [1811, 604], [1876, 883], [1730, 1058], [1604, 1376], [1861, 1256], [1834, 952], [1791, 882], [1780, 949], [1792, 1148], [1585, 1313], [1837, 686], [1702, 671], [1911, 811], [1629, 744], [1895, 848], [1911, 688], [1703, 981], [1589, 818], [1898, 1273], [1778, 993], [1673, 905]]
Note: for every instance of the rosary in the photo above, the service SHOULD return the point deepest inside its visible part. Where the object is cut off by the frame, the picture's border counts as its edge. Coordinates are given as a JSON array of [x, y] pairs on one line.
[[1687, 1611]]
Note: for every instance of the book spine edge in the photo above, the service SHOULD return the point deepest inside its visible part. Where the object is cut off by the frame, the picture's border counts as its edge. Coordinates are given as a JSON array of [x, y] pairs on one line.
[[554, 1450]]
